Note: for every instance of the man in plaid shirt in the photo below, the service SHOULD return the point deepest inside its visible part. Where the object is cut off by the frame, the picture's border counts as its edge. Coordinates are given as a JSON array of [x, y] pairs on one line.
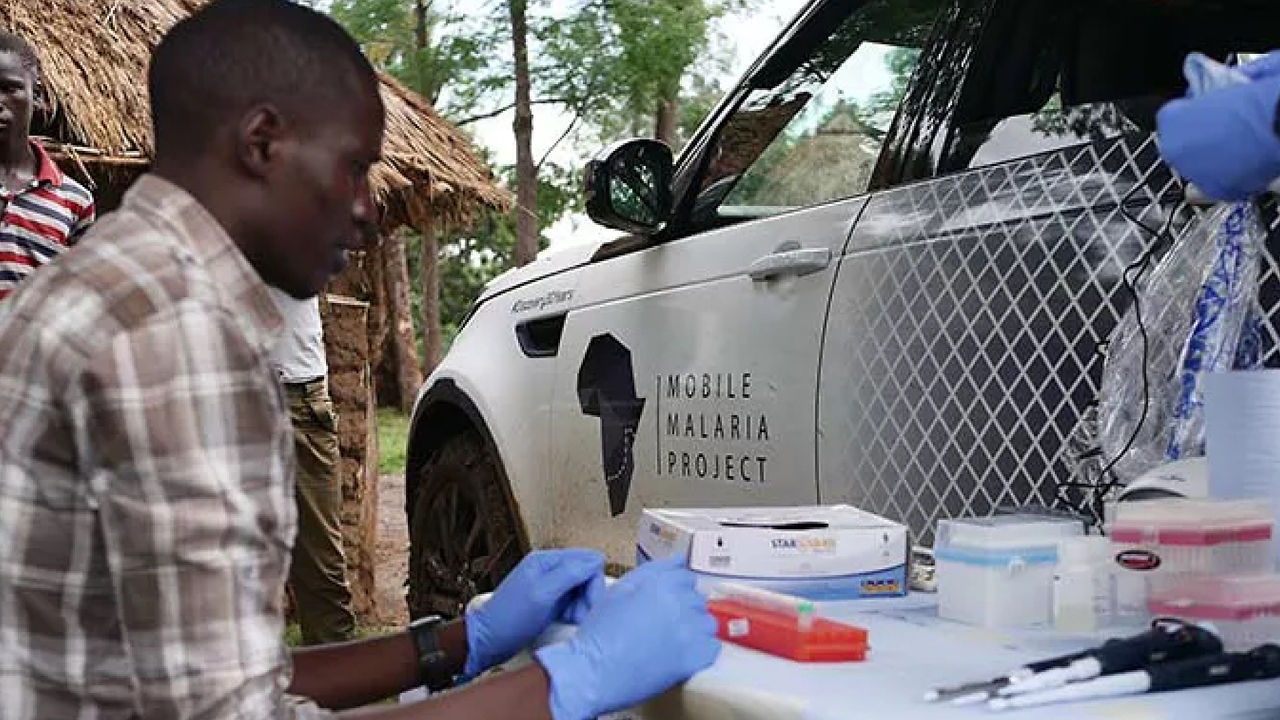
[[146, 461]]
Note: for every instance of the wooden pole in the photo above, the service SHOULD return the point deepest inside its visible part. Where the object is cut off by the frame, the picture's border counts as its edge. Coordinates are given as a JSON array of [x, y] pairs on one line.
[[400, 317], [430, 279], [526, 171]]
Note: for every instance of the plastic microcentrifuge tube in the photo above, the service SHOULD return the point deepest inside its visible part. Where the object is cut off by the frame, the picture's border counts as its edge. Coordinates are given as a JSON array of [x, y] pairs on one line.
[[752, 596]]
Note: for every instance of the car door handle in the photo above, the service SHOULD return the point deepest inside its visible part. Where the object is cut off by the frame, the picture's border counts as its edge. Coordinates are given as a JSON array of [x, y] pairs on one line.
[[802, 261]]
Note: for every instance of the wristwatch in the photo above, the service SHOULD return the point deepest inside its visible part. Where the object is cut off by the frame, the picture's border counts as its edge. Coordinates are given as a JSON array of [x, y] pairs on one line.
[[433, 665]]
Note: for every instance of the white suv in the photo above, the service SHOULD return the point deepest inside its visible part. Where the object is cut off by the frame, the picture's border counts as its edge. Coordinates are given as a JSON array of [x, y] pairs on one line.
[[881, 273]]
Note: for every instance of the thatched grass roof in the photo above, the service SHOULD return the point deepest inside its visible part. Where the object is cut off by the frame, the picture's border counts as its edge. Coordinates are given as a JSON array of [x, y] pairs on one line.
[[95, 55], [427, 160]]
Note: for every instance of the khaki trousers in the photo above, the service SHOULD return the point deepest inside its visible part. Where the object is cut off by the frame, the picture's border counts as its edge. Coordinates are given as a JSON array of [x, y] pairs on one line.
[[318, 575]]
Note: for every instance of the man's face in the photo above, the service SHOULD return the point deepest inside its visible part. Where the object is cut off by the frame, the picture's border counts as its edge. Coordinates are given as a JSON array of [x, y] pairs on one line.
[[319, 205], [17, 90]]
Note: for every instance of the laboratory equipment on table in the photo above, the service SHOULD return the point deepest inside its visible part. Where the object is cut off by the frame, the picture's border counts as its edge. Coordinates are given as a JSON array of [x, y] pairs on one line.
[[783, 625]]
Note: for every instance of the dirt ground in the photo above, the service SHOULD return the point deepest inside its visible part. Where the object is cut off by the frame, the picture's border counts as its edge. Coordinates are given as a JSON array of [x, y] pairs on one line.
[[391, 553]]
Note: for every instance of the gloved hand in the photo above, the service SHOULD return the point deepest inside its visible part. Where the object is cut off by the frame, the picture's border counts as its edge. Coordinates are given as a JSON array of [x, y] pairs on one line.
[[546, 587], [1264, 67], [1225, 141], [650, 631]]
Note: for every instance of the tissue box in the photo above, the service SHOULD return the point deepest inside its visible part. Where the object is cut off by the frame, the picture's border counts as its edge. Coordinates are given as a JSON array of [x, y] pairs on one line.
[[834, 552]]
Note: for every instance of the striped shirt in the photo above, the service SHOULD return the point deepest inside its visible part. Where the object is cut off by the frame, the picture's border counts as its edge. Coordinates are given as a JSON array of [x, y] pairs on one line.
[[40, 221], [146, 478]]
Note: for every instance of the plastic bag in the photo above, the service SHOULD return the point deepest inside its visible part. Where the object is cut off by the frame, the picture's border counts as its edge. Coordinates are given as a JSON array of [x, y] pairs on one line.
[[1201, 313], [1220, 332], [1200, 310]]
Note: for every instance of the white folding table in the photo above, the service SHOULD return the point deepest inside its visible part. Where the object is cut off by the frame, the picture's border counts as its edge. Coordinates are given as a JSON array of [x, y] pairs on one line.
[[912, 650]]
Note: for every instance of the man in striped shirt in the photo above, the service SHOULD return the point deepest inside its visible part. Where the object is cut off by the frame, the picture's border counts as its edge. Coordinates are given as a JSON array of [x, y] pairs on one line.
[[44, 212]]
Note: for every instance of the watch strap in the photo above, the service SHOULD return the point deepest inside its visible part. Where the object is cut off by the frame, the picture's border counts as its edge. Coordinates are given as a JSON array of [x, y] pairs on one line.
[[433, 664]]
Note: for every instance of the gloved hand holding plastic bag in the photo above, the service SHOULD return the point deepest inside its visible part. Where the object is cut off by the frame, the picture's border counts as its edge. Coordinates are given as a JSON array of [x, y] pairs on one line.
[[1200, 311], [1222, 136]]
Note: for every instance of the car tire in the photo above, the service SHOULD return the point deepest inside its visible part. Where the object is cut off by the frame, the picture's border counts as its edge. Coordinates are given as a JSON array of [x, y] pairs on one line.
[[463, 536]]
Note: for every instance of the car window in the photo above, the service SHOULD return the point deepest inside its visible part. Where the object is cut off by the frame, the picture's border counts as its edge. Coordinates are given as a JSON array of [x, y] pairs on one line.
[[816, 135], [1078, 73], [1052, 128]]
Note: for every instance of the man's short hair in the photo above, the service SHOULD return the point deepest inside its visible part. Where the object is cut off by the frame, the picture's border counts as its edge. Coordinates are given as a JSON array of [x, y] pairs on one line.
[[233, 54], [17, 45]]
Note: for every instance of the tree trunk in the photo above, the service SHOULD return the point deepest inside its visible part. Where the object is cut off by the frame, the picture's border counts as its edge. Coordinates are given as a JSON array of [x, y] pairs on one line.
[[431, 298], [430, 270], [381, 358], [400, 317], [420, 81], [420, 24], [668, 117], [526, 173]]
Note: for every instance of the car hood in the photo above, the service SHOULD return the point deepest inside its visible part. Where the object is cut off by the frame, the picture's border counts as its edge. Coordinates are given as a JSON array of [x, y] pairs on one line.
[[549, 262]]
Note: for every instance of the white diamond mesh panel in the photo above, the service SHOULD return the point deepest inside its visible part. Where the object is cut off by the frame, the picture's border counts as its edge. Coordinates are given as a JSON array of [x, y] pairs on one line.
[[1269, 288], [971, 310]]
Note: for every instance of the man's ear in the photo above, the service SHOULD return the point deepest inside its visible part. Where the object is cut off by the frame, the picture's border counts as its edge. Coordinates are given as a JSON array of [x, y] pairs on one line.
[[258, 139], [40, 101]]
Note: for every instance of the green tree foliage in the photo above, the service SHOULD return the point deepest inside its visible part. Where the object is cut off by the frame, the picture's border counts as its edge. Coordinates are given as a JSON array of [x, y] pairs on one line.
[[471, 257], [450, 53], [614, 62], [609, 63], [634, 52], [701, 95], [900, 64]]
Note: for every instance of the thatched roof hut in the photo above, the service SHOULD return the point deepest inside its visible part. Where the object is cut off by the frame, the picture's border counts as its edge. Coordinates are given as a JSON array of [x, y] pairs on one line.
[[95, 55]]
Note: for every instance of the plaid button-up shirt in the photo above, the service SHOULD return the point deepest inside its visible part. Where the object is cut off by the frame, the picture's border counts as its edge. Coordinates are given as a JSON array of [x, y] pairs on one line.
[[146, 489]]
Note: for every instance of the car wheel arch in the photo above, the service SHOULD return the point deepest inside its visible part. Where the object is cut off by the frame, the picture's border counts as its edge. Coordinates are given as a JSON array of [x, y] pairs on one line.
[[444, 412]]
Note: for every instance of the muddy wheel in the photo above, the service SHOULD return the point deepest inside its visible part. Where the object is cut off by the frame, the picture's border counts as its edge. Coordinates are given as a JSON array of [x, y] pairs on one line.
[[462, 528]]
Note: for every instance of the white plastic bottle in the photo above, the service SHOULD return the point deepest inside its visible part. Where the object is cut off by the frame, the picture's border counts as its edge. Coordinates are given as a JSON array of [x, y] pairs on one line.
[[1082, 593]]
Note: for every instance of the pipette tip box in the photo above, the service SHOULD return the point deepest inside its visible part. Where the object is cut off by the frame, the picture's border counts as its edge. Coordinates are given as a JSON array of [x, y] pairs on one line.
[[1244, 610], [998, 571], [1157, 542]]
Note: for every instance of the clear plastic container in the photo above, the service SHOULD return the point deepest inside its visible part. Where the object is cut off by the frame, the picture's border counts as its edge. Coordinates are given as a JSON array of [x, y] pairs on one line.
[[998, 571], [1243, 609], [1155, 542], [1082, 593]]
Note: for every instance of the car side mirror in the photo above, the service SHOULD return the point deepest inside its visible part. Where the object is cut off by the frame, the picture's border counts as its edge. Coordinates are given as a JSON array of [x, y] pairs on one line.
[[628, 186]]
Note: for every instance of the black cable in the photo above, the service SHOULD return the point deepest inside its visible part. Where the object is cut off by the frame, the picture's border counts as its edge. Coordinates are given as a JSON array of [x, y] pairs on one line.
[[1130, 278], [1138, 267]]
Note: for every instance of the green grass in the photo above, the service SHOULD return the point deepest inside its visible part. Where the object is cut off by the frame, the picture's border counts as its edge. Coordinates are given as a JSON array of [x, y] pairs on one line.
[[393, 441], [293, 633]]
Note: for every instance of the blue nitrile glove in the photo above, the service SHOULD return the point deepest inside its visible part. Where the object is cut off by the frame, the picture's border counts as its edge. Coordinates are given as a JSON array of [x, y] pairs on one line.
[[546, 587], [650, 631], [1225, 141], [1264, 67]]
